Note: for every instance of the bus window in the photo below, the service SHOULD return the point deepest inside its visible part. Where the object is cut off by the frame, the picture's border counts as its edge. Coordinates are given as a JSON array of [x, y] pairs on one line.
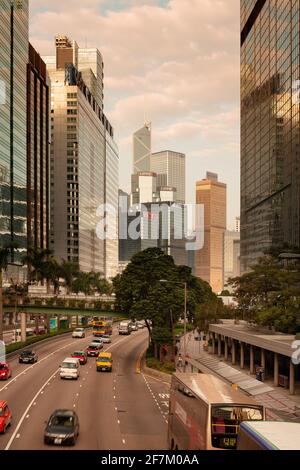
[[225, 422]]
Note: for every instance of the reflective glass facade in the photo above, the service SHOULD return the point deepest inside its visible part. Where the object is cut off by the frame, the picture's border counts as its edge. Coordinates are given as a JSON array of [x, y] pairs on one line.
[[37, 152], [84, 169], [13, 122], [270, 126]]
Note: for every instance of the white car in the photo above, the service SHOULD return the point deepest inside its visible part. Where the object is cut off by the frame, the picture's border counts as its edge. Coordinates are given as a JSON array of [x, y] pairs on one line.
[[69, 369], [97, 341], [78, 333], [106, 339], [134, 327]]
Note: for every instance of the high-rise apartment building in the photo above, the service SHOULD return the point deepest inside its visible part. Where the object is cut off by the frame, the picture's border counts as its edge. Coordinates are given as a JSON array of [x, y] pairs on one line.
[[170, 169], [270, 178], [142, 149], [13, 125], [38, 152], [84, 168], [209, 260]]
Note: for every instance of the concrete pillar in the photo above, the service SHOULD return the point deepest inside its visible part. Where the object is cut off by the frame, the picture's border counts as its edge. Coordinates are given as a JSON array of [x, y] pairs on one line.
[[213, 344], [219, 346], [233, 353], [292, 378], [226, 349], [242, 362], [276, 370], [251, 359], [263, 358], [23, 327]]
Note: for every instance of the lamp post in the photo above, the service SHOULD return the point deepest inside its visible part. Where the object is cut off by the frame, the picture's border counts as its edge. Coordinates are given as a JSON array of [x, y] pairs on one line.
[[185, 313]]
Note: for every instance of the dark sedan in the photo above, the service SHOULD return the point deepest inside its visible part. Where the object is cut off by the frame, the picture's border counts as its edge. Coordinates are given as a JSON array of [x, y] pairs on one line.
[[62, 428], [28, 357]]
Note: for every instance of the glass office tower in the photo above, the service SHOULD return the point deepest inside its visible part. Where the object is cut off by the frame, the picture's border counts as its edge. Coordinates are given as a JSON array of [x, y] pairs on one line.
[[13, 64], [269, 126]]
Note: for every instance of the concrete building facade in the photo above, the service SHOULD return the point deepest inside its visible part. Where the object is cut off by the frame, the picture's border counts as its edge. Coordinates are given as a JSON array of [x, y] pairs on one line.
[[209, 261]]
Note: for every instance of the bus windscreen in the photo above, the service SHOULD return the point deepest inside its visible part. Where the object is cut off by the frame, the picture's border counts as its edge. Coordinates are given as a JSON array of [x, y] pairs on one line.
[[225, 422]]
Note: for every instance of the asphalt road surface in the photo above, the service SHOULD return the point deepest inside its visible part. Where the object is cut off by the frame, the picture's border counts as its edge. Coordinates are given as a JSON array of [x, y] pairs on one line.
[[122, 410]]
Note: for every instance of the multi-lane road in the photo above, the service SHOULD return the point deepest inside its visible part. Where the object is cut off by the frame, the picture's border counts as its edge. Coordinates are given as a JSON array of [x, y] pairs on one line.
[[124, 409]]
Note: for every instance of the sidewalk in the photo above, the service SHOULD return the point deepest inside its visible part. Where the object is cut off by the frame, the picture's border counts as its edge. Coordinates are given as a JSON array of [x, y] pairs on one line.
[[280, 405]]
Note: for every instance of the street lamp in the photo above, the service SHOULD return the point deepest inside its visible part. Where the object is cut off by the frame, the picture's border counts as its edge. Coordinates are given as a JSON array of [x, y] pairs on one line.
[[185, 311]]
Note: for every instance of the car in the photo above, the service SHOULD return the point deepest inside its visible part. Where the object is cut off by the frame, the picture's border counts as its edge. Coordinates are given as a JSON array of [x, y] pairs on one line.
[[97, 342], [62, 428], [93, 349], [28, 357], [5, 416], [78, 333], [81, 355], [140, 325], [134, 327], [106, 339], [69, 368], [5, 371], [104, 362]]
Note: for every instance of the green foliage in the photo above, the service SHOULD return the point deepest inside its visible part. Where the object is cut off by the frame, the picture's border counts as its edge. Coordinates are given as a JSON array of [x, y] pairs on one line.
[[165, 367], [140, 293], [269, 295]]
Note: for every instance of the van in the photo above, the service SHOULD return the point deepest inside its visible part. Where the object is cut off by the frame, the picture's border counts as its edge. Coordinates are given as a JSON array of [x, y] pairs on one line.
[[69, 369], [104, 362]]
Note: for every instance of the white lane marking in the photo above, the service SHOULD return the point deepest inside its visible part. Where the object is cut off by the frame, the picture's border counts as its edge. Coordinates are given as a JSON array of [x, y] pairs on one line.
[[40, 391], [27, 416], [123, 440], [155, 399], [119, 421], [18, 436], [34, 365]]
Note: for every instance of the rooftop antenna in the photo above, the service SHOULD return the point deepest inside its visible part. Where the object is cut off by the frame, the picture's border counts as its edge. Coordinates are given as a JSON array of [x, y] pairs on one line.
[[147, 123]]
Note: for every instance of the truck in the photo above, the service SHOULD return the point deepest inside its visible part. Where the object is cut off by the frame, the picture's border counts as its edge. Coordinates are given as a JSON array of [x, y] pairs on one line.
[[269, 435], [125, 327]]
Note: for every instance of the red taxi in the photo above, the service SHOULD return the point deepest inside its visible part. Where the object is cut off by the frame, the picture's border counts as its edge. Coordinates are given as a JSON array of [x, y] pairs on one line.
[[81, 355], [5, 371], [5, 416]]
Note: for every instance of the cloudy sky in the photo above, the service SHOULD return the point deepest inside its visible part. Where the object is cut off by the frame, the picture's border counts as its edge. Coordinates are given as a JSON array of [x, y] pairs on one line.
[[175, 60]]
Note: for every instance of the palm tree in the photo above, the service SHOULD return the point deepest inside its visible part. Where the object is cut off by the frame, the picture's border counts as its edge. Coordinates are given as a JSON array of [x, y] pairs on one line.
[[35, 260], [4, 259], [69, 272]]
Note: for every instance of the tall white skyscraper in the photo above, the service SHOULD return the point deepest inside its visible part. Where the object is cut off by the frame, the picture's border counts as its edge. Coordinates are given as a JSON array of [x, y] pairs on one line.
[[142, 149], [84, 165]]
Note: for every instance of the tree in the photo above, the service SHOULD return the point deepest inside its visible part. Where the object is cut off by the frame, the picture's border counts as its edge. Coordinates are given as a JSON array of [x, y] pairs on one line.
[[269, 295], [140, 293], [211, 312], [35, 260], [69, 272], [4, 259]]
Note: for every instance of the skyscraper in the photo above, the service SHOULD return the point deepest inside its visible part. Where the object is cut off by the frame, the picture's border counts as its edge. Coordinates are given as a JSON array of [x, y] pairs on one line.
[[142, 149], [84, 168], [13, 122], [170, 169], [270, 179], [38, 150], [231, 255], [209, 260]]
